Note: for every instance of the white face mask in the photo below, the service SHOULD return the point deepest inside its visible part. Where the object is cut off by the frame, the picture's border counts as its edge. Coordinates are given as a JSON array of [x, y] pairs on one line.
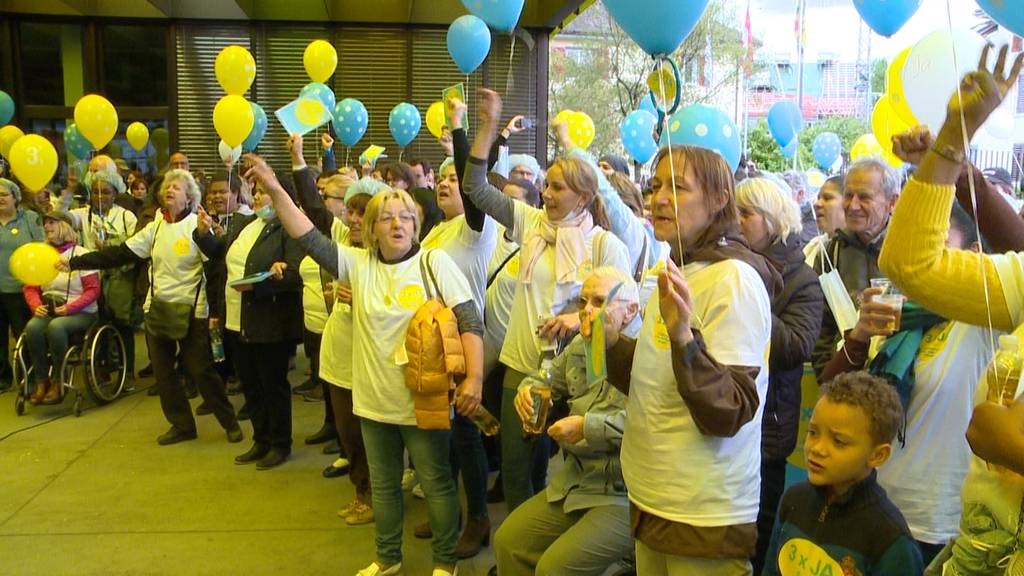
[[838, 298]]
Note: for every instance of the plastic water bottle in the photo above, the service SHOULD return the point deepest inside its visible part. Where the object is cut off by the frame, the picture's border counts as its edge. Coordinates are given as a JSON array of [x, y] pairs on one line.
[[485, 421], [217, 345]]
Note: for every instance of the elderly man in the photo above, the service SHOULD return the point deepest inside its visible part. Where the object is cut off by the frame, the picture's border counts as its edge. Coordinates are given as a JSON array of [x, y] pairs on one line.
[[870, 192], [524, 167], [179, 161]]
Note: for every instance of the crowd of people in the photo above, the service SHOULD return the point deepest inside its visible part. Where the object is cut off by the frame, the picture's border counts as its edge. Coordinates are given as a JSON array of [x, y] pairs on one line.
[[653, 338]]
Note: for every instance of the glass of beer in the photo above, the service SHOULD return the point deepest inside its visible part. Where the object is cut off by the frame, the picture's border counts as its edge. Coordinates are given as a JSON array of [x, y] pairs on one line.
[[894, 300]]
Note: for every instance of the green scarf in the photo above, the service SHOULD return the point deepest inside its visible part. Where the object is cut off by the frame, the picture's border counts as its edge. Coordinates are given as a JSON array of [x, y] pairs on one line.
[[895, 361]]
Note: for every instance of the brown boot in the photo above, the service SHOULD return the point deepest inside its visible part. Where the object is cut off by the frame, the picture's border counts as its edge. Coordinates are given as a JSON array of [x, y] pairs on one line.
[[54, 394], [39, 393], [476, 534]]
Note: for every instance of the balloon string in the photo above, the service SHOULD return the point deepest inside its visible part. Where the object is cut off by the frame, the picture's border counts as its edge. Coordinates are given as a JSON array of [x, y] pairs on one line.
[[671, 159], [348, 149], [509, 82], [970, 179]]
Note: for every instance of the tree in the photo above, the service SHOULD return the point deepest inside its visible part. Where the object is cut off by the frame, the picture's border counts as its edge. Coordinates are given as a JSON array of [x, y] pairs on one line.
[[879, 68], [604, 72], [762, 149]]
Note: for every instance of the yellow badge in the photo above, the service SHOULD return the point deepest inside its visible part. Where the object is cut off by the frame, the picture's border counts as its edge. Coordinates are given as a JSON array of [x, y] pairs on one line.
[[935, 340], [182, 246], [513, 266], [661, 339], [411, 297], [14, 231], [586, 269], [800, 557]]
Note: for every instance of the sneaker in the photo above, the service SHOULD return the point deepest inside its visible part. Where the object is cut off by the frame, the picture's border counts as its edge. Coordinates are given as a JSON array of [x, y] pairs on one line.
[[443, 572], [345, 510], [361, 513], [376, 570], [129, 384], [306, 386], [409, 479], [417, 491]]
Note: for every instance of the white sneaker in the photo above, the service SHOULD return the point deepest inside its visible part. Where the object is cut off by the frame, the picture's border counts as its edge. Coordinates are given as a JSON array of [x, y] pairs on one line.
[[374, 569], [443, 572], [417, 491], [340, 463], [409, 479]]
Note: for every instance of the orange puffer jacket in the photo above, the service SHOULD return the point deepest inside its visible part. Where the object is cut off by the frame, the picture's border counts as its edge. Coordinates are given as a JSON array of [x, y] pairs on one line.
[[434, 349]]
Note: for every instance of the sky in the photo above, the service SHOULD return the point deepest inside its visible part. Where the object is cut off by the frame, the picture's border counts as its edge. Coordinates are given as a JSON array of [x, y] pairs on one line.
[[832, 26]]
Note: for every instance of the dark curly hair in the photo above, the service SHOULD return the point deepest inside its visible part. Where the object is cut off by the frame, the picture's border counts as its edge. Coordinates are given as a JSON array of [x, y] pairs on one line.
[[875, 396]]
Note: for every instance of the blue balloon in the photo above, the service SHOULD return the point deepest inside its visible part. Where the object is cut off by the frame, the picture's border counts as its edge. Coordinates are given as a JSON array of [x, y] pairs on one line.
[[658, 26], [75, 142], [404, 123], [887, 16], [1007, 16], [705, 127], [259, 128], [827, 148], [785, 121], [789, 150], [319, 92], [647, 104], [637, 131], [469, 40], [350, 121], [6, 108], [502, 15]]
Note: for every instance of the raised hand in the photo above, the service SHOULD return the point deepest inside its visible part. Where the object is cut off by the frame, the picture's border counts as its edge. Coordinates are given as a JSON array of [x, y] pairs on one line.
[[456, 112], [260, 172], [912, 145], [295, 149], [326, 142], [676, 304], [982, 91], [489, 107], [514, 126], [204, 222], [561, 128]]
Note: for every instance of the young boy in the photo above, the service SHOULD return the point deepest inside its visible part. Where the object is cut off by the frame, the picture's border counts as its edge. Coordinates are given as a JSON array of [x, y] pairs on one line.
[[580, 523], [841, 522]]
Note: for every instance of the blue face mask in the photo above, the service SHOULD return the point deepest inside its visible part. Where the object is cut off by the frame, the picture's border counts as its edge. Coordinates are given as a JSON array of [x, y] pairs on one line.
[[266, 212]]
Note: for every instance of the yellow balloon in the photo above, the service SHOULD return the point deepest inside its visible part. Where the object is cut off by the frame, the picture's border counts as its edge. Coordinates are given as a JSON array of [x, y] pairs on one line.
[[137, 135], [435, 118], [35, 263], [33, 161], [886, 124], [233, 119], [894, 80], [865, 147], [564, 116], [581, 129], [8, 136], [96, 120], [320, 60], [235, 69]]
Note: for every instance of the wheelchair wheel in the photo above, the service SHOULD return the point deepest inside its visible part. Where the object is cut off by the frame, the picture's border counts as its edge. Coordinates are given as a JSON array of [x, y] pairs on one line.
[[105, 364], [19, 366]]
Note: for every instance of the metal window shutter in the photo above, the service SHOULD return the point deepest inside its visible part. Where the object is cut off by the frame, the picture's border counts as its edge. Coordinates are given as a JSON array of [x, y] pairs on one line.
[[520, 97], [280, 75], [372, 64], [198, 90]]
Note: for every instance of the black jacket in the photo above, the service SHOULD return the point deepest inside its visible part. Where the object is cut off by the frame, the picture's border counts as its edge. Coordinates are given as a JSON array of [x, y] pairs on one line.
[[796, 321], [272, 310]]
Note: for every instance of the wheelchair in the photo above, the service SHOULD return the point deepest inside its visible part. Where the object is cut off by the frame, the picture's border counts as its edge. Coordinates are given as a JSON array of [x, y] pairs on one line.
[[96, 356]]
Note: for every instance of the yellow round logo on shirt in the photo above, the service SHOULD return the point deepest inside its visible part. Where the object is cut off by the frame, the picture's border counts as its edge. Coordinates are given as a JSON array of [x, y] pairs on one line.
[[182, 246], [513, 266], [586, 269], [799, 557], [661, 339], [411, 297]]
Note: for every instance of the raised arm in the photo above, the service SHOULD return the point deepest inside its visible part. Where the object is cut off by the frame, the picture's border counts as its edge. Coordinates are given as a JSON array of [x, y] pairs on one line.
[[305, 187], [949, 282], [460, 144], [479, 191]]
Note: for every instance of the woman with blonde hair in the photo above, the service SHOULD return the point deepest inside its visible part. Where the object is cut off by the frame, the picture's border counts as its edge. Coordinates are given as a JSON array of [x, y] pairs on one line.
[[561, 244], [771, 222], [389, 280]]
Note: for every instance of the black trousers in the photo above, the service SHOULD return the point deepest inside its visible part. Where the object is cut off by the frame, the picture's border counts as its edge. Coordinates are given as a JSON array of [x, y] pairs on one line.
[[14, 315], [773, 484], [197, 361], [311, 346], [263, 370]]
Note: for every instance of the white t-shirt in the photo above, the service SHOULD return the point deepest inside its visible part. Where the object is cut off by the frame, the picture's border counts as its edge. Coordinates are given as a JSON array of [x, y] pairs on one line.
[[953, 356], [522, 348], [471, 250], [672, 470], [95, 230], [314, 307], [649, 282], [336, 344], [385, 297], [68, 285], [235, 259], [177, 263], [499, 297]]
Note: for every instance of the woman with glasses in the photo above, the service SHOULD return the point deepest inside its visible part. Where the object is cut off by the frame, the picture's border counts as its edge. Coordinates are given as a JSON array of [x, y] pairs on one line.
[[388, 287]]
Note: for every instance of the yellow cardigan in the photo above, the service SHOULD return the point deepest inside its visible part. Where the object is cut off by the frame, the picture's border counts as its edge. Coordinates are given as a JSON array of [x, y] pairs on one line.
[[947, 282]]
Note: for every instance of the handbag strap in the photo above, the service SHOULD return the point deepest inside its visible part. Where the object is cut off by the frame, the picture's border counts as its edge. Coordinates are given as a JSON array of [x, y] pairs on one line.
[[152, 284], [494, 275], [425, 263], [641, 264]]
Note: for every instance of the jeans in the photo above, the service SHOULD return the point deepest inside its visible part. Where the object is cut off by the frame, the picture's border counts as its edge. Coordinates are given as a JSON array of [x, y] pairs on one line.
[[263, 370], [198, 363], [48, 338], [469, 453], [773, 484], [429, 450], [14, 314], [524, 459]]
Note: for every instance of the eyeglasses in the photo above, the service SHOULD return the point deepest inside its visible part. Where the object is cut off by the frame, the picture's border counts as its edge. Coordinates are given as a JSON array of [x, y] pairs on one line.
[[404, 218]]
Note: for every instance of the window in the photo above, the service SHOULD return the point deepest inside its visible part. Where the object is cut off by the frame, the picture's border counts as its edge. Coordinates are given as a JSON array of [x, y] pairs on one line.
[[135, 65], [45, 48]]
